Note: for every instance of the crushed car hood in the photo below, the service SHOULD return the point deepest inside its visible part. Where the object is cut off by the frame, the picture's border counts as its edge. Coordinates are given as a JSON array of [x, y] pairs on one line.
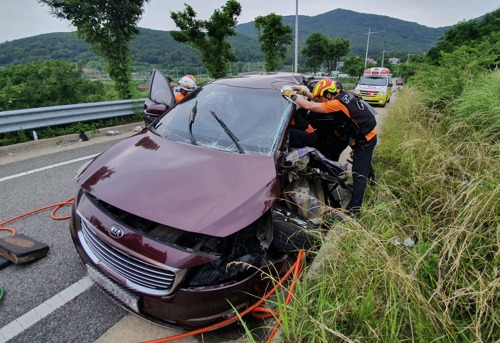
[[184, 186]]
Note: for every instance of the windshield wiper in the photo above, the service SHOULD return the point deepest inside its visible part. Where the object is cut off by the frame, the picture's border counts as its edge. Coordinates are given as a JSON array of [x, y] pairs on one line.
[[192, 117], [229, 133]]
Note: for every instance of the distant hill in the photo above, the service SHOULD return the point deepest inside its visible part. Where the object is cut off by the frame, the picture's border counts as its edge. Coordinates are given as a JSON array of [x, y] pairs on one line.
[[157, 48], [399, 36]]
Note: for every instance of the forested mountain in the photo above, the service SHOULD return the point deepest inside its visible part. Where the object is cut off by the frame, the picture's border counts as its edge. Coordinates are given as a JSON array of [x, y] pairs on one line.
[[157, 48], [399, 36], [150, 48]]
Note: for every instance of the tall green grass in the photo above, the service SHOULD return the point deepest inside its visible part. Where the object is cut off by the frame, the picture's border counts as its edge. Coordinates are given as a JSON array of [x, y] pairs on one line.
[[480, 107], [438, 184]]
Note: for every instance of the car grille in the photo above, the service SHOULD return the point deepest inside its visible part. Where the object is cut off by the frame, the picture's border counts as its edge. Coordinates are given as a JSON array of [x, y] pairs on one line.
[[142, 275]]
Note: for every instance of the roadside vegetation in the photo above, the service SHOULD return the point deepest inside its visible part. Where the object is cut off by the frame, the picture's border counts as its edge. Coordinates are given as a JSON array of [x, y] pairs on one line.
[[421, 263], [54, 83]]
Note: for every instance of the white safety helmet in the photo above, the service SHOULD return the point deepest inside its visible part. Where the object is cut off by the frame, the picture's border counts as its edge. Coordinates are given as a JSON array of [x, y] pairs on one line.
[[187, 84]]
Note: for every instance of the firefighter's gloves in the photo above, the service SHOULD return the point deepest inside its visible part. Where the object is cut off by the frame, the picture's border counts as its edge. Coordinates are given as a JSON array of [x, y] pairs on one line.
[[289, 93], [300, 90]]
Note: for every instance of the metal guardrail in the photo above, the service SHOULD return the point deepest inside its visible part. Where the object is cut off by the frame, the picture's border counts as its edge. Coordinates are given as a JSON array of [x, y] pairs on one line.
[[34, 118]]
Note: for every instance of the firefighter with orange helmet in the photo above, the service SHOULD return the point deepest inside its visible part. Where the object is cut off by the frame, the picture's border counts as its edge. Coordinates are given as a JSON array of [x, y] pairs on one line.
[[357, 124]]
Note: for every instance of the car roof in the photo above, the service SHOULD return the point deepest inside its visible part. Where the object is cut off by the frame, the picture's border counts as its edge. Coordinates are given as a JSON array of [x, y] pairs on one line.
[[262, 80]]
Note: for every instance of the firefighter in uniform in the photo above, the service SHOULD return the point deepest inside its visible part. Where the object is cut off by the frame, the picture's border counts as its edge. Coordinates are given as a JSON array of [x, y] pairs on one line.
[[354, 121], [186, 86], [302, 134]]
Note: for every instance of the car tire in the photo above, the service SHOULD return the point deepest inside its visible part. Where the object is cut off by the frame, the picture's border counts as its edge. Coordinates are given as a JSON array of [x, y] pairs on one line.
[[289, 237]]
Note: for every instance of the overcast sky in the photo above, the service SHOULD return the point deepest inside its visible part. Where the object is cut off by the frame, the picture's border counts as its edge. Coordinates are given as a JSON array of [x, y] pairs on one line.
[[25, 18]]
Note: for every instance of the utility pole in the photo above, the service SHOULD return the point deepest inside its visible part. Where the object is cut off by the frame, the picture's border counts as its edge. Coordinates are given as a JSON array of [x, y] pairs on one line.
[[368, 43], [383, 57], [296, 36]]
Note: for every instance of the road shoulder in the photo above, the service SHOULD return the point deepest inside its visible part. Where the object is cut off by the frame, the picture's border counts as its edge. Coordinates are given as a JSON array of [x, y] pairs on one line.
[[18, 152]]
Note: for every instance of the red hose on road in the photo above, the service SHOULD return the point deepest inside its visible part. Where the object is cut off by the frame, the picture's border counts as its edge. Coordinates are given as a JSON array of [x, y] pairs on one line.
[[52, 215], [256, 309]]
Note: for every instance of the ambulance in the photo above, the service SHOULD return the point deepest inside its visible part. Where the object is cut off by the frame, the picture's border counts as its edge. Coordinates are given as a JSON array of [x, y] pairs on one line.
[[375, 86]]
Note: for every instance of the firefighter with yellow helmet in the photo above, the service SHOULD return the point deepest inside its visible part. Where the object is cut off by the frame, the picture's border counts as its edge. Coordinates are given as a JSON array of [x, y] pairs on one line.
[[357, 124]]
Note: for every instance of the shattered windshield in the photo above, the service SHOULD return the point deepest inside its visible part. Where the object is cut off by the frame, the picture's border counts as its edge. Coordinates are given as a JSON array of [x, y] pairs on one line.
[[222, 117]]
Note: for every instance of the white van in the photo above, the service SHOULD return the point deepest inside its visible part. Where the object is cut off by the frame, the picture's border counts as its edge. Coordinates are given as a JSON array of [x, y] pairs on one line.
[[375, 86]]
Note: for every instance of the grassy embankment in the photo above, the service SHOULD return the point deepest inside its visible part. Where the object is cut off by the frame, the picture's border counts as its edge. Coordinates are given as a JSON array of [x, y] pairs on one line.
[[438, 183]]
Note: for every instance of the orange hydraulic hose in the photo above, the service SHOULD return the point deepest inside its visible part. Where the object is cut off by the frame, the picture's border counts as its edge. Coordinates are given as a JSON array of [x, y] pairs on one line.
[[264, 312], [256, 310], [297, 271], [57, 207], [297, 266], [12, 231]]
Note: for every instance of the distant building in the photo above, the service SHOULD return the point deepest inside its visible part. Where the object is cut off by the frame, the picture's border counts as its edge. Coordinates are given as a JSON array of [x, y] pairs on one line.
[[394, 60]]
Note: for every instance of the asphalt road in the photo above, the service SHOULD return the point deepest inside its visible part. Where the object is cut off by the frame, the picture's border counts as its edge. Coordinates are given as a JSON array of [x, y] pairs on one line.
[[51, 299], [26, 185]]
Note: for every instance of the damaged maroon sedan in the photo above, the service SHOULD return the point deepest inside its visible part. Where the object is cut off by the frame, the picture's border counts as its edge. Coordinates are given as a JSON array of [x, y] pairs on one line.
[[181, 222]]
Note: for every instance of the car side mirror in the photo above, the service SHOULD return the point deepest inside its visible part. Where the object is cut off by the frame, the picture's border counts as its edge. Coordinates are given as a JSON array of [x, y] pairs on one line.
[[156, 109], [390, 84]]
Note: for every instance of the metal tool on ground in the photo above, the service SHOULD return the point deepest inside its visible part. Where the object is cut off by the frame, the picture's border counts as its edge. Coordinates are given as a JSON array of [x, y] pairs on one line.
[[21, 248]]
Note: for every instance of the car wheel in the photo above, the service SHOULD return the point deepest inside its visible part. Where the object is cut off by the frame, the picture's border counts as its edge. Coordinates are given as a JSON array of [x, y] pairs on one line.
[[289, 237]]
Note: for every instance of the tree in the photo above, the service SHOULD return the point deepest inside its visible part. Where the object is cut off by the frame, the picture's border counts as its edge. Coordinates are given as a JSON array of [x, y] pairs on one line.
[[46, 83], [354, 66], [322, 49], [470, 33], [209, 36], [108, 26], [334, 51], [315, 50], [274, 37]]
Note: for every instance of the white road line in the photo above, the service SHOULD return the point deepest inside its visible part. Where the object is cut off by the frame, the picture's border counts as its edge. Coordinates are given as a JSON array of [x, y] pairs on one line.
[[47, 167], [22, 323]]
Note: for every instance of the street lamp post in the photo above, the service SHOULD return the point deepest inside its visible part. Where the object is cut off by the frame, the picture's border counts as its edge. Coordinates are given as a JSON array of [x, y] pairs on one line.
[[368, 43]]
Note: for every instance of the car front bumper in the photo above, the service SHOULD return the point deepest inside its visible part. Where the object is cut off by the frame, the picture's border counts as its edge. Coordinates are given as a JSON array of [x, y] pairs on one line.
[[175, 306]]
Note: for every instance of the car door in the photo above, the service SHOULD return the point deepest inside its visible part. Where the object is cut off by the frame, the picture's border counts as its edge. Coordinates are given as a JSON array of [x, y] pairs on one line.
[[160, 97]]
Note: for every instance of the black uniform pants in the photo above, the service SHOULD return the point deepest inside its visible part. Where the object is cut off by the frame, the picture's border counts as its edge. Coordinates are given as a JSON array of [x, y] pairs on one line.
[[362, 170]]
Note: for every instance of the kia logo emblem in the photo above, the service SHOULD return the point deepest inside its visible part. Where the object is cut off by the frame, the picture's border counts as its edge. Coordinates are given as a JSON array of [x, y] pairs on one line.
[[116, 231]]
